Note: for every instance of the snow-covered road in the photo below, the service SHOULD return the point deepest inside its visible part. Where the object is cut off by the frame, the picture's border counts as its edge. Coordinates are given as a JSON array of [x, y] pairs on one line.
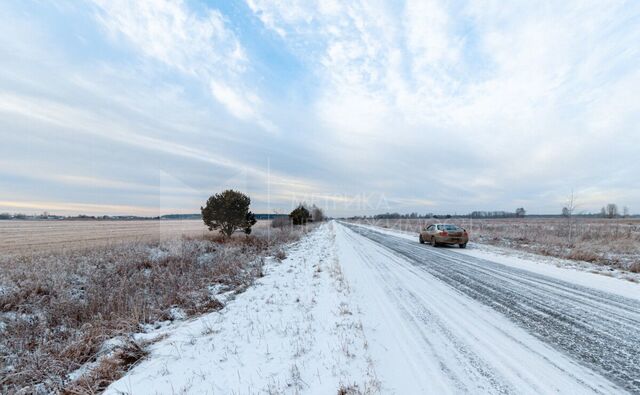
[[490, 327], [367, 311]]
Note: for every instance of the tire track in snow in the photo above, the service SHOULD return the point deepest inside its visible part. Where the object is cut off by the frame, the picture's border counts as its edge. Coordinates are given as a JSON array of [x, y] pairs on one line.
[[425, 322], [597, 329]]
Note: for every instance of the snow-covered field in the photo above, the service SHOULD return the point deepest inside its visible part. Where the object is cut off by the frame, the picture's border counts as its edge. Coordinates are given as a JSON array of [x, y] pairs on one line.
[[356, 312]]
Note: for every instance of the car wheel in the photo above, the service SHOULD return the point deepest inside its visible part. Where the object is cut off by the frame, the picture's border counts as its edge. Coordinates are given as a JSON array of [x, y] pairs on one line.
[[434, 242], [421, 240], [463, 245]]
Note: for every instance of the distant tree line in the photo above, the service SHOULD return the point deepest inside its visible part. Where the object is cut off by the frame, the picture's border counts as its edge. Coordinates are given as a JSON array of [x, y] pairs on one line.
[[47, 216], [402, 216], [44, 215], [520, 212], [611, 211]]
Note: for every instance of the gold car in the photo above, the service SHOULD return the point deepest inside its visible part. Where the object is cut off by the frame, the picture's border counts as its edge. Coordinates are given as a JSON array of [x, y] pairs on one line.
[[437, 234]]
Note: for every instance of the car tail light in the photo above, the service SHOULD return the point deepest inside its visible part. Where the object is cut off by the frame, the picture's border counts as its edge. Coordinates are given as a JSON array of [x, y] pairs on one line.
[[444, 233]]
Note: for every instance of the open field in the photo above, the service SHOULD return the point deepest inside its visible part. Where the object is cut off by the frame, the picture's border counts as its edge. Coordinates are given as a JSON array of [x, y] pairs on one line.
[[68, 310], [612, 242], [25, 237]]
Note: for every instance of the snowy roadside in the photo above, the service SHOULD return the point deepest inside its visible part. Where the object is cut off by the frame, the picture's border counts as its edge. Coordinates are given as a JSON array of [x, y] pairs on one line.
[[295, 330], [343, 314], [583, 273]]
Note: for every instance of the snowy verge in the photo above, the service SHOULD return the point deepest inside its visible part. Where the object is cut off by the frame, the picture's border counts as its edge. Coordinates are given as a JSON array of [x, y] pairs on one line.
[[294, 331], [582, 273]]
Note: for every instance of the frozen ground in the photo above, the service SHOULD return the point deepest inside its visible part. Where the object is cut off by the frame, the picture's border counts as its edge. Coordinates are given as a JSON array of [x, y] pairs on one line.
[[354, 308]]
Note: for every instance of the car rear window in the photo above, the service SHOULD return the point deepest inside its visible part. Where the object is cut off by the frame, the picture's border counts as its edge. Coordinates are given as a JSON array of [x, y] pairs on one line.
[[449, 227]]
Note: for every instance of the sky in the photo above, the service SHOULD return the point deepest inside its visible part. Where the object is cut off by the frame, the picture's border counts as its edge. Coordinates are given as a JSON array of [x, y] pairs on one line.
[[148, 107]]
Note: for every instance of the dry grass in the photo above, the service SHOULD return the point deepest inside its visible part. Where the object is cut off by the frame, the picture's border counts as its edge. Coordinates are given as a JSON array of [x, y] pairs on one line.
[[351, 389], [108, 370], [611, 242], [58, 309]]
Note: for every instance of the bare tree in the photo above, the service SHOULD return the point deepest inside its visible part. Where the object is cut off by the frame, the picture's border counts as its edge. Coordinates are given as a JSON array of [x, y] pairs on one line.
[[568, 211], [316, 214], [612, 210], [625, 211]]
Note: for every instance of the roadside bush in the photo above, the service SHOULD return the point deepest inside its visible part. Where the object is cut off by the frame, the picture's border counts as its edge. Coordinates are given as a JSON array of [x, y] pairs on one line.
[[300, 215], [228, 211]]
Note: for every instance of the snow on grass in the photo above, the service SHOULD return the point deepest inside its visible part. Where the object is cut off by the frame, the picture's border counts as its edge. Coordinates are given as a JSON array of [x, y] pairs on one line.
[[295, 331], [57, 309]]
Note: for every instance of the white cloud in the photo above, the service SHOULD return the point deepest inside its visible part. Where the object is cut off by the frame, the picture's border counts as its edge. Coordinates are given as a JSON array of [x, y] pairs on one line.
[[516, 89], [450, 105], [83, 124], [241, 107], [428, 33], [198, 45]]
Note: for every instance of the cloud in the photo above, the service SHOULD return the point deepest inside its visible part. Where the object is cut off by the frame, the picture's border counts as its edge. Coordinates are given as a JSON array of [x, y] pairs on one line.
[[199, 45], [76, 121], [508, 97], [443, 106]]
